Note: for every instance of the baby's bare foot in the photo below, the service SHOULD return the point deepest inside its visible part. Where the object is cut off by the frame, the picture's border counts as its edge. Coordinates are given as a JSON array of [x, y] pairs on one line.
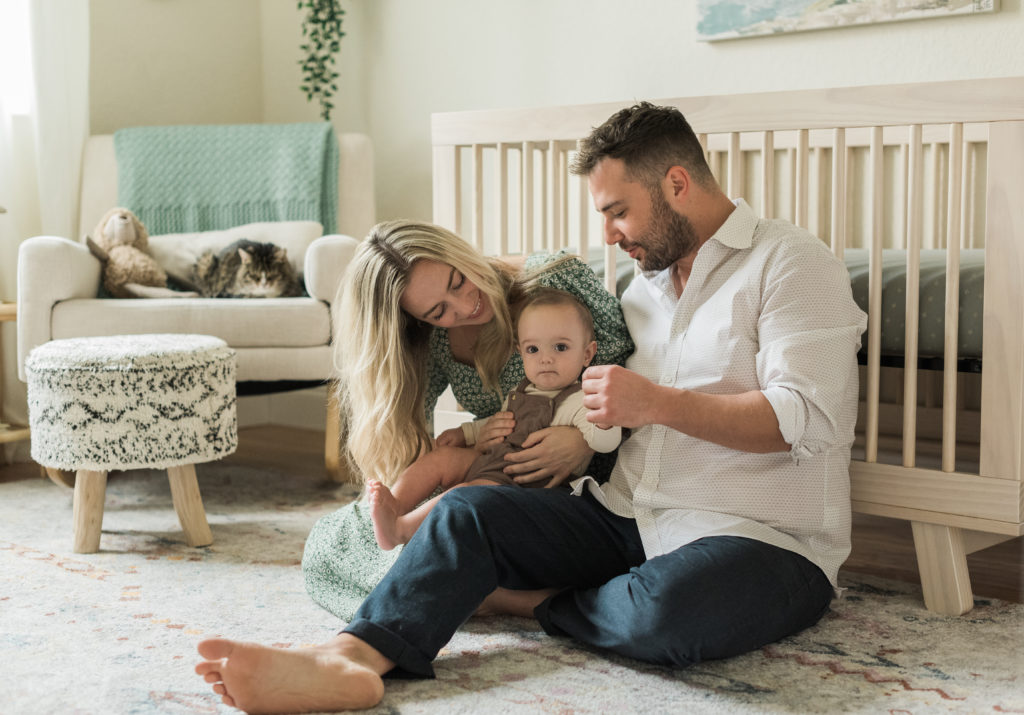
[[258, 679], [384, 512]]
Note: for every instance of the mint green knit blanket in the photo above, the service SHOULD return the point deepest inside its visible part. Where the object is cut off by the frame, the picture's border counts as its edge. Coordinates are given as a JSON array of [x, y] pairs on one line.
[[181, 179]]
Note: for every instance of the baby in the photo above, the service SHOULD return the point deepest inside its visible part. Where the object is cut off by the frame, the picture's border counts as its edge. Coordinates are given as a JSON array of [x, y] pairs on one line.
[[556, 341]]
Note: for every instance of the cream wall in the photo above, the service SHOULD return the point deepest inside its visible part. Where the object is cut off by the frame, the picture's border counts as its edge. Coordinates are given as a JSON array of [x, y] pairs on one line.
[[210, 61], [180, 62], [480, 54]]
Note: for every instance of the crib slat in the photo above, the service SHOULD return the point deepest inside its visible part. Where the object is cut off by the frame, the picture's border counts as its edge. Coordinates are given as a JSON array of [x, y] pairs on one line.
[[544, 237], [791, 156], [872, 391], [952, 318], [583, 207], [609, 268], [447, 188], [554, 200], [768, 174], [905, 163], [526, 174], [501, 197], [478, 196], [914, 216], [839, 192], [969, 239], [802, 179], [821, 198], [933, 238], [735, 158], [715, 164], [563, 190]]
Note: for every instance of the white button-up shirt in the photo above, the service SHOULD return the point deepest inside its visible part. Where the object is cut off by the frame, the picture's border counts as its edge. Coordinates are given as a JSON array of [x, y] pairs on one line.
[[766, 307]]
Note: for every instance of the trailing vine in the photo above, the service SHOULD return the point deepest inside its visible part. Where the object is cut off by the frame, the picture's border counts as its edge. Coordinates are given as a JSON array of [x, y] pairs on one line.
[[321, 29]]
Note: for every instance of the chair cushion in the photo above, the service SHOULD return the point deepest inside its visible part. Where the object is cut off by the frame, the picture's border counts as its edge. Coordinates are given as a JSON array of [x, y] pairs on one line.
[[250, 322], [177, 252]]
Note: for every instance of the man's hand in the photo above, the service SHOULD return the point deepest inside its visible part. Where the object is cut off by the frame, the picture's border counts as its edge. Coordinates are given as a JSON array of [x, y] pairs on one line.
[[745, 421], [617, 396], [549, 452]]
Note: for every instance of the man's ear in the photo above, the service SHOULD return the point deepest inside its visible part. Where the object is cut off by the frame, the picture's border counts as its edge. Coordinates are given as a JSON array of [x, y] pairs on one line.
[[677, 182], [589, 353]]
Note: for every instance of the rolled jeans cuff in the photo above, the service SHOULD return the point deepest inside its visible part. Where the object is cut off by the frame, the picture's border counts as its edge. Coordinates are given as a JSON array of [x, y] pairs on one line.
[[409, 662]]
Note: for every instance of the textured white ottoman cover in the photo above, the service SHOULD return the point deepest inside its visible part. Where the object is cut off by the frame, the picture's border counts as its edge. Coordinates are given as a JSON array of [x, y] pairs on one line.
[[131, 401]]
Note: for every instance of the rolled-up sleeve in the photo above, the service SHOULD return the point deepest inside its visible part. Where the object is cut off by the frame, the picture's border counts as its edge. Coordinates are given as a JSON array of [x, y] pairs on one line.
[[809, 333]]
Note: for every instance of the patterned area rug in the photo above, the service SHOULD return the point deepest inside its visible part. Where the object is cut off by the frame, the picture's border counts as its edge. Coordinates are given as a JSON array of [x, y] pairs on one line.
[[115, 632]]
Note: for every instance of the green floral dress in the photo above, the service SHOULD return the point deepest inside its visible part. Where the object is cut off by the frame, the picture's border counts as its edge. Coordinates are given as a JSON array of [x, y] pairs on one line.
[[342, 562]]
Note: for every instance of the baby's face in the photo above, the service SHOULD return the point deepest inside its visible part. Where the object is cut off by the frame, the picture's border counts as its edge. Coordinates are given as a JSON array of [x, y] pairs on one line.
[[554, 344]]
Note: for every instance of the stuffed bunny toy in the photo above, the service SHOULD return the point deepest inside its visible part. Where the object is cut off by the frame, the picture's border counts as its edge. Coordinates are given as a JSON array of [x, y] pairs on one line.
[[121, 243]]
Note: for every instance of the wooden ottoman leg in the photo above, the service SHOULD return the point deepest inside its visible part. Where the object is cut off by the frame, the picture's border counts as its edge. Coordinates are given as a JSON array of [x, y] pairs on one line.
[[60, 477], [189, 505], [942, 561], [90, 490]]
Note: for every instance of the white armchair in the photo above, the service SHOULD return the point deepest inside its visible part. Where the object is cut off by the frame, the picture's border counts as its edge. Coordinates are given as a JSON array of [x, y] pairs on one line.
[[280, 342]]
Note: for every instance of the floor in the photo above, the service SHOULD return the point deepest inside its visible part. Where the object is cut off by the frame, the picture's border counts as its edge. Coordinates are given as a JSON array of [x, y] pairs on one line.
[[881, 546]]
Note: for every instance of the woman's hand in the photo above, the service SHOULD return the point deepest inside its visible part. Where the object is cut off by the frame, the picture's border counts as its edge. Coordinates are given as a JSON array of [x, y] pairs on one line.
[[453, 437], [549, 452], [495, 430]]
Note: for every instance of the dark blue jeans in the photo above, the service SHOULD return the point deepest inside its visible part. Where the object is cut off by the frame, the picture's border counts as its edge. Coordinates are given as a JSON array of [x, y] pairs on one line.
[[713, 598]]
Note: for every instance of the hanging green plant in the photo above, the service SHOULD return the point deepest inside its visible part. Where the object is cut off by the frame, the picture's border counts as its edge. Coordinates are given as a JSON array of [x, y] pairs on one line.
[[321, 29]]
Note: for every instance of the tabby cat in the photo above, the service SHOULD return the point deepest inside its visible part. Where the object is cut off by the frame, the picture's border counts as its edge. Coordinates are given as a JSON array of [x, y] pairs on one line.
[[246, 269]]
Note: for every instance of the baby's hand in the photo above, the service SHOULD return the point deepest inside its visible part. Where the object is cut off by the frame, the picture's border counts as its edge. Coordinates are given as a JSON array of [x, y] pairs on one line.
[[453, 437], [497, 427], [601, 426]]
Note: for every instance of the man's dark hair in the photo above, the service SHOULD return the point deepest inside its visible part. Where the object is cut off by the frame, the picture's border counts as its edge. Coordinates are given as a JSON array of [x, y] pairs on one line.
[[649, 140]]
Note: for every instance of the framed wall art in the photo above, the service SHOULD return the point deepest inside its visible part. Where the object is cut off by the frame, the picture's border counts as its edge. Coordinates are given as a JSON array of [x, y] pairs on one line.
[[731, 19]]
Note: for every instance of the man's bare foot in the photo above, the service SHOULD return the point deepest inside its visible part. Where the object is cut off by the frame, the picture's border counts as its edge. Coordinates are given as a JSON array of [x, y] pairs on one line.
[[342, 674], [384, 512]]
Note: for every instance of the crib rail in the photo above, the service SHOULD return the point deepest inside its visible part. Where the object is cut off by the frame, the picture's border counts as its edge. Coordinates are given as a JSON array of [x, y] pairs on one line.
[[907, 167]]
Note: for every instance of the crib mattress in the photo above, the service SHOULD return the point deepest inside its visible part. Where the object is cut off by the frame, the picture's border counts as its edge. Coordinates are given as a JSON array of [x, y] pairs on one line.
[[931, 327]]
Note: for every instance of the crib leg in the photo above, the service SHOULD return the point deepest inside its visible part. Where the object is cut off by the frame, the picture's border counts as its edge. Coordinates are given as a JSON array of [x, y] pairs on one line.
[[942, 562]]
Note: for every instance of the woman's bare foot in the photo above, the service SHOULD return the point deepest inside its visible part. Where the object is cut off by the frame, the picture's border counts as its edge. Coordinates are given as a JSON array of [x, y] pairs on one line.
[[384, 512], [342, 674]]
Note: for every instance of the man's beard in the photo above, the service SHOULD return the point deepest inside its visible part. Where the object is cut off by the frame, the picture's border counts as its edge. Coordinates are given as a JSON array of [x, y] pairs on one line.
[[669, 237]]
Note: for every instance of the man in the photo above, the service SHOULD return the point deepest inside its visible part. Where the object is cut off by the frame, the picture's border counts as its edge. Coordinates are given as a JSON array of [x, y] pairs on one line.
[[727, 516]]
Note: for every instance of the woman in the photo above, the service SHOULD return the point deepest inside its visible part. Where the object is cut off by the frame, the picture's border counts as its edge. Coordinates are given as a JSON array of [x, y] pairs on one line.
[[420, 309]]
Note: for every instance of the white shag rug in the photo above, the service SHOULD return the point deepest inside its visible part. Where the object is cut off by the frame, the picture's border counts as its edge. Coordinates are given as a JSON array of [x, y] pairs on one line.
[[115, 632]]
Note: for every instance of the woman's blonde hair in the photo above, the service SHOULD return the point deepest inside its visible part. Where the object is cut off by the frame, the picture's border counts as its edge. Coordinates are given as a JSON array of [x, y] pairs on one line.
[[381, 352]]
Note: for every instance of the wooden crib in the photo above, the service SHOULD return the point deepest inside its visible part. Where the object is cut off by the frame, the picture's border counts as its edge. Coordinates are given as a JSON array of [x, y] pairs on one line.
[[885, 175]]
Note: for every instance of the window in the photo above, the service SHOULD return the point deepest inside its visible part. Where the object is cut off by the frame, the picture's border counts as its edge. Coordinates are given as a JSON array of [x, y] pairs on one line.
[[15, 60]]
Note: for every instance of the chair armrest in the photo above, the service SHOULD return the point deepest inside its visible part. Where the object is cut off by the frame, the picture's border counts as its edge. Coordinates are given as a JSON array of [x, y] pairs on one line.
[[326, 260], [50, 269]]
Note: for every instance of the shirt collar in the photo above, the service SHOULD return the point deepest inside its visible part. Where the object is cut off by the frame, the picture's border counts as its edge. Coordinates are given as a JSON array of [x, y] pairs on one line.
[[737, 232], [738, 229]]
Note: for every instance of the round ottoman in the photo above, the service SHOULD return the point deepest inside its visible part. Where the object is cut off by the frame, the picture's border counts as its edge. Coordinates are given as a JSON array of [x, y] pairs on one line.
[[131, 402]]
